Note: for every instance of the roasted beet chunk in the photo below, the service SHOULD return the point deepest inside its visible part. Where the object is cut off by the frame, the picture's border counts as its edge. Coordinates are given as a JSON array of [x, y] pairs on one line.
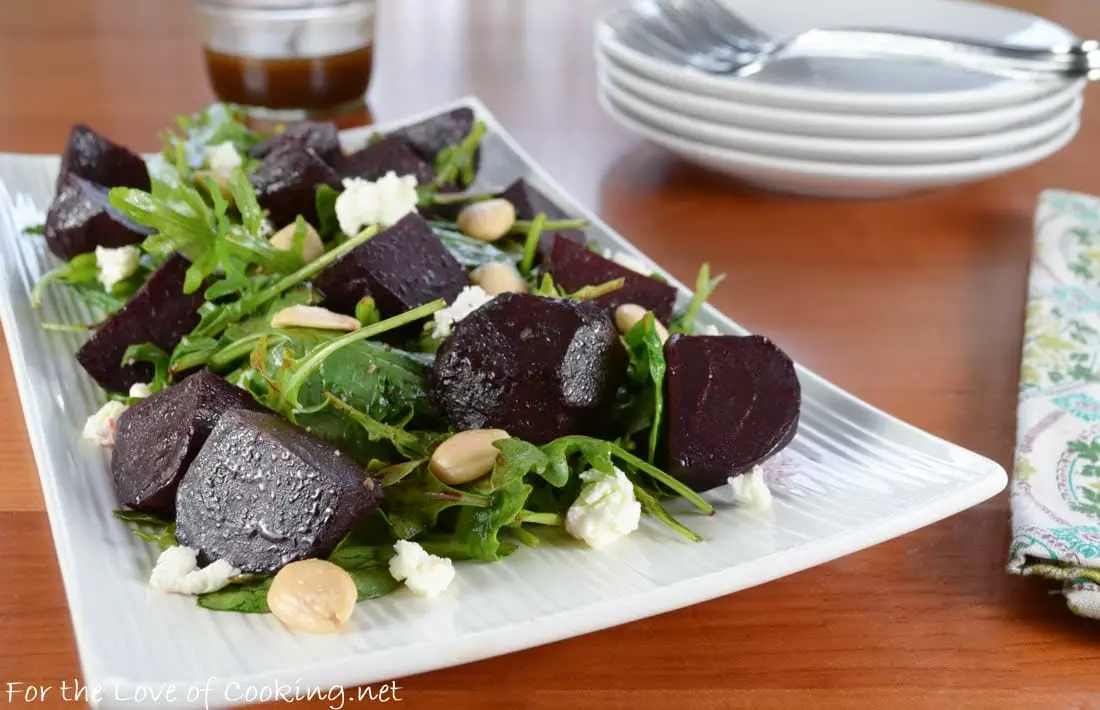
[[158, 437], [403, 267], [263, 493], [81, 218], [321, 138], [537, 367], [286, 183], [390, 153], [529, 202], [429, 137], [94, 158], [575, 266], [732, 403], [158, 313]]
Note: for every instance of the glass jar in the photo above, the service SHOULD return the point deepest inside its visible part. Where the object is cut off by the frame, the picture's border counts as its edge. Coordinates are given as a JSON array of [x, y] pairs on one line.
[[289, 59]]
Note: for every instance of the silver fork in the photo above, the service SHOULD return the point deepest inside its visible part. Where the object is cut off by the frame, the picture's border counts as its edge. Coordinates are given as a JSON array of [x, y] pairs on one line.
[[707, 36]]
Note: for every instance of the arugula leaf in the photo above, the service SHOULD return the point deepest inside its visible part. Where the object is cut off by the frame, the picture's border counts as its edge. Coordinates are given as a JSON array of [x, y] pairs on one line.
[[248, 597], [531, 243], [704, 287], [479, 527], [366, 312], [149, 352], [471, 252], [94, 295], [216, 124], [424, 496], [373, 582], [150, 528], [517, 458], [328, 226], [647, 368], [395, 473], [406, 443], [82, 268], [37, 229]]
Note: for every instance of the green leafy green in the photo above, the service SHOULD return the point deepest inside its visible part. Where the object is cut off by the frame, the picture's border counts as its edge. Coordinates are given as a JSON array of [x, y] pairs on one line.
[[328, 226], [150, 353], [366, 312], [35, 229], [647, 370], [150, 528], [373, 582], [531, 243], [479, 528], [471, 252], [247, 597], [215, 125], [82, 268], [704, 287]]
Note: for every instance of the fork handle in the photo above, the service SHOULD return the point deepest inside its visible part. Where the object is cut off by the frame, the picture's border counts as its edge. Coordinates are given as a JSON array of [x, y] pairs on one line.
[[1079, 60]]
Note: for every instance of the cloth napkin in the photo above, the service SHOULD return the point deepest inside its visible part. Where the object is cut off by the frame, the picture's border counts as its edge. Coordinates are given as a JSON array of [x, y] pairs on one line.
[[1056, 481]]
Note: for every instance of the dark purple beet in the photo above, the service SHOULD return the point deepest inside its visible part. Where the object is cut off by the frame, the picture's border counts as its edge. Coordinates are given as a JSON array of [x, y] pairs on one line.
[[537, 367], [529, 202], [392, 153], [81, 218], [402, 267], [95, 158], [322, 138], [263, 493], [432, 135], [158, 437], [574, 267], [158, 313], [286, 183], [732, 402]]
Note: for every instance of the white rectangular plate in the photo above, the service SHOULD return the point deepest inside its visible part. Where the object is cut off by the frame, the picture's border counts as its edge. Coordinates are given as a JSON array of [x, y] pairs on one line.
[[853, 477]]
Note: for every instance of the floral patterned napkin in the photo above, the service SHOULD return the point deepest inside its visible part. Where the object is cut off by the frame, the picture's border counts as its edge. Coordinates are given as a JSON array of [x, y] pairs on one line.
[[1056, 483]]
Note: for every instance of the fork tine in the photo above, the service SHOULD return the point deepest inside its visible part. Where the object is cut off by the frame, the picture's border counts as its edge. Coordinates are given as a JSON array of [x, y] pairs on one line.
[[698, 32]]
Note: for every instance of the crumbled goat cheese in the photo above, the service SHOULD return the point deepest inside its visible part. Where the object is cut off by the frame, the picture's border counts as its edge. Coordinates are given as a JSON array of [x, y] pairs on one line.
[[222, 158], [605, 510], [140, 390], [750, 490], [177, 571], [425, 574], [709, 330], [100, 427], [382, 202], [114, 265], [466, 302]]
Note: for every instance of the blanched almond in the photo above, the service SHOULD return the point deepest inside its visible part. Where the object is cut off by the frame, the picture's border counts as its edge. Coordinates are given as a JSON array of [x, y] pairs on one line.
[[313, 317], [466, 456], [629, 315], [497, 277], [312, 595], [312, 247], [488, 220]]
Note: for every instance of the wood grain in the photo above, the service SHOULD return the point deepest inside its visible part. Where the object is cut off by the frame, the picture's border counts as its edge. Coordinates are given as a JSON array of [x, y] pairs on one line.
[[914, 304]]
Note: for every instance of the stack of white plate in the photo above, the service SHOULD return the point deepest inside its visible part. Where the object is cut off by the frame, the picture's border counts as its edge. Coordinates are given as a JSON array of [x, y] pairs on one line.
[[846, 127]]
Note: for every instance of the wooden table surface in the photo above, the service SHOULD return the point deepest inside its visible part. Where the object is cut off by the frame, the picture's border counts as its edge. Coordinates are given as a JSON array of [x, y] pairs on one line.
[[914, 304]]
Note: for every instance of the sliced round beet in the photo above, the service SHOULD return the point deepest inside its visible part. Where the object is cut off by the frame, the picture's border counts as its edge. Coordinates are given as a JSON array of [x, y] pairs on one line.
[[536, 367], [158, 437], [262, 493], [732, 403]]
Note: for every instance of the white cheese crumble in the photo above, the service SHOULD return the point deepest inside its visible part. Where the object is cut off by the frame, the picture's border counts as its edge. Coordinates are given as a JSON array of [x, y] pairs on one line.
[[266, 228], [177, 571], [222, 158], [709, 330], [140, 390], [750, 490], [629, 261], [100, 427], [466, 302], [114, 265], [605, 510], [383, 202], [423, 573]]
